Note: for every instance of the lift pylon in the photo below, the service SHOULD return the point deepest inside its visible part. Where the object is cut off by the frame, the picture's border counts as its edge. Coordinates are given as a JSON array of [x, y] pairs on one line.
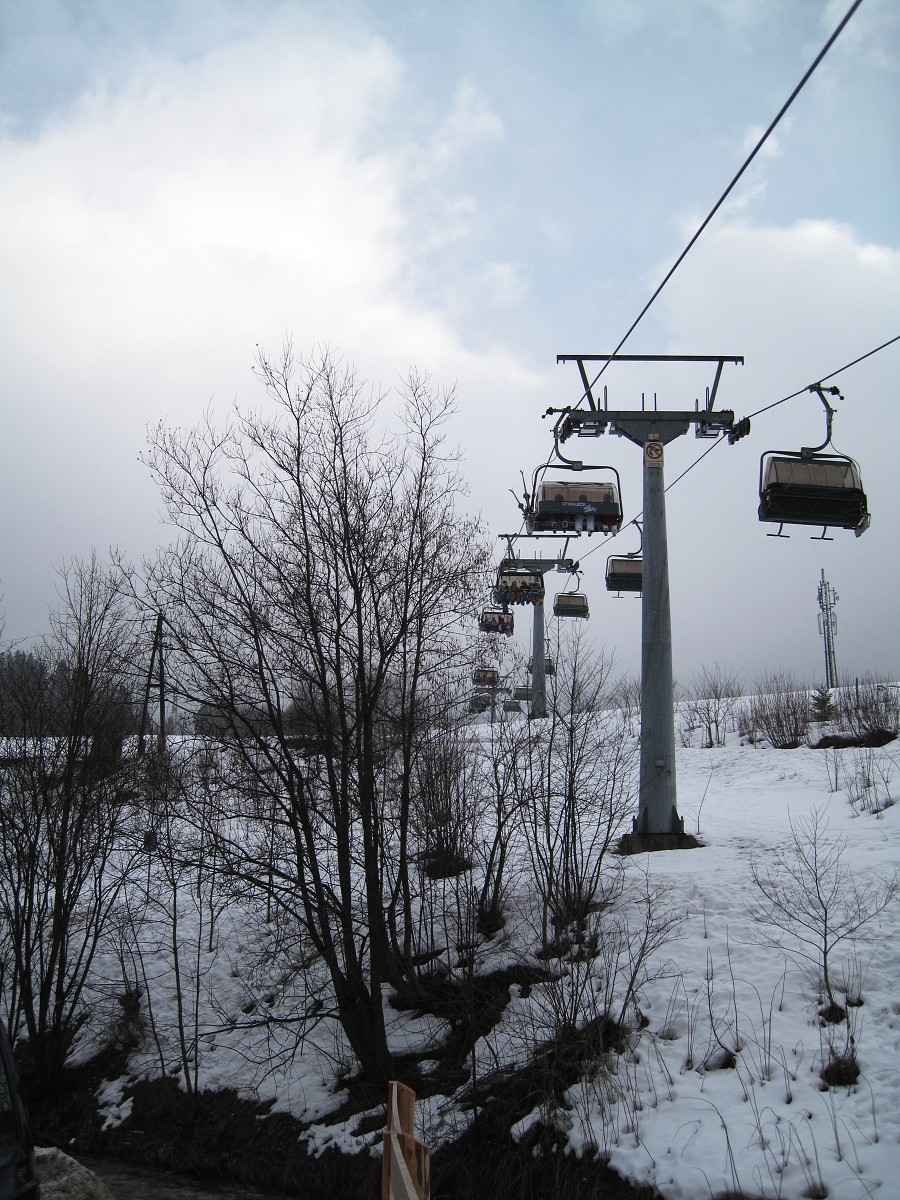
[[538, 566], [657, 825]]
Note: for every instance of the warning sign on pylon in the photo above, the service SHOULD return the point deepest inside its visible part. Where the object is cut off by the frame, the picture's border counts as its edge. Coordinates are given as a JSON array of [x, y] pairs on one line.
[[653, 453]]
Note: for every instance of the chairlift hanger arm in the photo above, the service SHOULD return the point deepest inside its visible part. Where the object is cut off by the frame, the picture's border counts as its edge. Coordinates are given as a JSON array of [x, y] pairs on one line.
[[565, 465], [808, 451]]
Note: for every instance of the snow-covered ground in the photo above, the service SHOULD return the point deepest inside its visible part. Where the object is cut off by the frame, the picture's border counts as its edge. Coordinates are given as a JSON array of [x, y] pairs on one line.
[[720, 1091]]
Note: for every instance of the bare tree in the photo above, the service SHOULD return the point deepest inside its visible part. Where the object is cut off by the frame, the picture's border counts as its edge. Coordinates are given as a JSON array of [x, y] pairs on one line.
[[780, 710], [65, 846], [581, 791], [712, 699], [810, 903], [319, 584], [869, 710]]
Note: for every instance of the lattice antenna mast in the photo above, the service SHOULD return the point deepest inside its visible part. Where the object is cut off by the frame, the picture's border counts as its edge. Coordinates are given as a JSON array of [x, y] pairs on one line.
[[828, 598]]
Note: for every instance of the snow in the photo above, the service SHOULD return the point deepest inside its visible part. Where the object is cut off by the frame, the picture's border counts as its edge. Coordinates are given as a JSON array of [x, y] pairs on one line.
[[719, 1092], [62, 1178]]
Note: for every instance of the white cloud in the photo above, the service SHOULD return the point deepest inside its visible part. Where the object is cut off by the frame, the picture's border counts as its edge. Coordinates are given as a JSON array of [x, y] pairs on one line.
[[504, 284], [771, 148], [150, 237], [798, 302], [470, 121]]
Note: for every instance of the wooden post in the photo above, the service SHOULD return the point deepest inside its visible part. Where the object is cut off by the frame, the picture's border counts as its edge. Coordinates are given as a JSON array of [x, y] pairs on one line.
[[405, 1164]]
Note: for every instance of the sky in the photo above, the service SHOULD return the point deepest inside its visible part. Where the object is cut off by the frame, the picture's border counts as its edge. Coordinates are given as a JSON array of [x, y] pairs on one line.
[[470, 189]]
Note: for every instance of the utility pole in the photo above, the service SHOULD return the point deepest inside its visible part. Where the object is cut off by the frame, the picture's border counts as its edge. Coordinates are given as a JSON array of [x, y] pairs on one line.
[[828, 598], [657, 825]]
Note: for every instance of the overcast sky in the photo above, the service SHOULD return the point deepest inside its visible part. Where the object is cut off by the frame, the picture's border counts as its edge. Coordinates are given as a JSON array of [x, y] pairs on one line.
[[469, 188]]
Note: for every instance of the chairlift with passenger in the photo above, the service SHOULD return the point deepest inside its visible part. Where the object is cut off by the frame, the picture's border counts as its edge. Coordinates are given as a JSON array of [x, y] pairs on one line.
[[810, 487], [517, 585], [495, 620], [486, 677]]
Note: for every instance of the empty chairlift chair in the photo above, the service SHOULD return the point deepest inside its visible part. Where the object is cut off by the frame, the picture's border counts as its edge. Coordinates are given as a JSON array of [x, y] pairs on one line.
[[812, 489], [625, 574], [571, 604], [575, 507], [549, 666], [523, 692]]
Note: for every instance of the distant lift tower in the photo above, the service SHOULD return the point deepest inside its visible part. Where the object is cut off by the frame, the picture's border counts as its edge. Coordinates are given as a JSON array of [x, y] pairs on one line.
[[537, 566], [828, 598], [657, 825]]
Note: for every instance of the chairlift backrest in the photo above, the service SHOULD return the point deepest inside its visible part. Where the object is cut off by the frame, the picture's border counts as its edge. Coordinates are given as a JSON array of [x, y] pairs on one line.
[[812, 472], [549, 666], [560, 492]]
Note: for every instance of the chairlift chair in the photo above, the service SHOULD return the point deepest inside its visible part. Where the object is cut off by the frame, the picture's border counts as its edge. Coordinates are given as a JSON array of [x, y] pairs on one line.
[[480, 702], [523, 692], [495, 620], [486, 677], [811, 487], [625, 574], [571, 604], [512, 706], [549, 666], [574, 506], [517, 585]]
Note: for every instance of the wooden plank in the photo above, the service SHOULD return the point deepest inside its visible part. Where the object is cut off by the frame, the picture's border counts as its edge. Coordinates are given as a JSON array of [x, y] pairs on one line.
[[406, 1161]]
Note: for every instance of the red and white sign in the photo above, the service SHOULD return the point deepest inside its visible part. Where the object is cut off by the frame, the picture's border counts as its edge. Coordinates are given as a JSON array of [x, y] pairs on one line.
[[653, 453]]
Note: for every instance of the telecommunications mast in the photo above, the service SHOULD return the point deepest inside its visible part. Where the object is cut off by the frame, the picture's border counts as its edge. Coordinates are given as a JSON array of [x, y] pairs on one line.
[[828, 598]]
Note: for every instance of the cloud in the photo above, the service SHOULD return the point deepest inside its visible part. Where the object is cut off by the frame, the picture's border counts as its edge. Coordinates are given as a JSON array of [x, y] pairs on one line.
[[154, 233], [504, 284], [771, 148], [798, 301]]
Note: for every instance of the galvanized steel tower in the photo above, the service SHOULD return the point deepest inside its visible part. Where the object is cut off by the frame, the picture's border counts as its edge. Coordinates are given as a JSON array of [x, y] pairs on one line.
[[657, 825]]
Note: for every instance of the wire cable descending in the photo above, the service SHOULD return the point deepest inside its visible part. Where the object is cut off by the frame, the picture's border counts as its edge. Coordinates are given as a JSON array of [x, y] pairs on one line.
[[752, 155]]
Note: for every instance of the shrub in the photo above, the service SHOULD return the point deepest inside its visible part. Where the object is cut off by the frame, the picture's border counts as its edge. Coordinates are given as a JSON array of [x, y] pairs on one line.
[[780, 710], [869, 710]]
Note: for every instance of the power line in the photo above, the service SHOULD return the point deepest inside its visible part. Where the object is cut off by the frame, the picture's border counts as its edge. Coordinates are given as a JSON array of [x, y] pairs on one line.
[[753, 153]]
